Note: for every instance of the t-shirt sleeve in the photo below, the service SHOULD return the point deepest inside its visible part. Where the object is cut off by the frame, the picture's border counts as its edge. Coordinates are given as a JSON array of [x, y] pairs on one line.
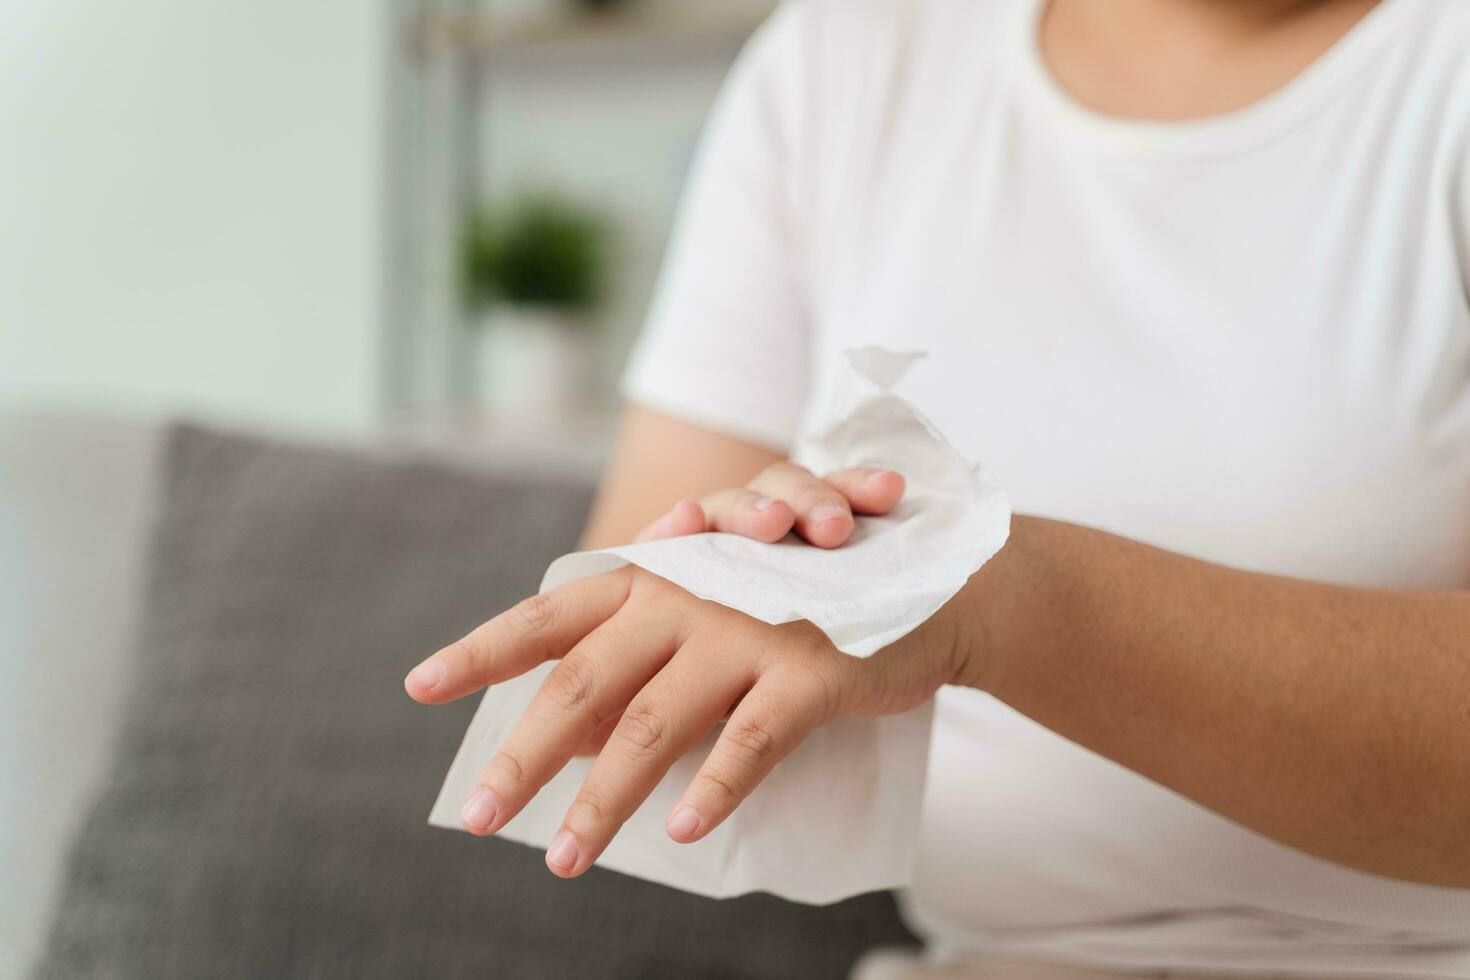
[[725, 345]]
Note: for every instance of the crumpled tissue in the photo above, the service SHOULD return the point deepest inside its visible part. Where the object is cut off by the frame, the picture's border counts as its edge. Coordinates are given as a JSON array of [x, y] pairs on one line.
[[839, 816]]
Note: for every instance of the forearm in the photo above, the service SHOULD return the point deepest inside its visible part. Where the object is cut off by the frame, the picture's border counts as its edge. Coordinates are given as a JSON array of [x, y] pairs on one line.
[[1335, 720], [657, 461]]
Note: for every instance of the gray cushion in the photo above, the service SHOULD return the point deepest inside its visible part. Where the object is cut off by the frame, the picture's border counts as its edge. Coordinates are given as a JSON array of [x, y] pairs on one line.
[[265, 811]]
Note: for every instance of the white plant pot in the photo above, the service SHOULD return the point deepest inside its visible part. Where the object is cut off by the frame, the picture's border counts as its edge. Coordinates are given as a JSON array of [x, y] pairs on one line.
[[533, 363]]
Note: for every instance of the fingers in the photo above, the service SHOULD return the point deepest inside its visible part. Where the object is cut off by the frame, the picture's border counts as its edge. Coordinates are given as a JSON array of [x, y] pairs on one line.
[[533, 631], [685, 517], [783, 497], [592, 683], [774, 718], [664, 721], [742, 512], [823, 515], [868, 490], [749, 513]]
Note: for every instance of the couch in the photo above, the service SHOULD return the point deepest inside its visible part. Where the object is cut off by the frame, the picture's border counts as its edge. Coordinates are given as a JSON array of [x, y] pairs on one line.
[[210, 768]]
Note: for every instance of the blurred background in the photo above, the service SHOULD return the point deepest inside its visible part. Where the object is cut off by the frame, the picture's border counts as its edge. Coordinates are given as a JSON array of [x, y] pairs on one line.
[[426, 217], [384, 256]]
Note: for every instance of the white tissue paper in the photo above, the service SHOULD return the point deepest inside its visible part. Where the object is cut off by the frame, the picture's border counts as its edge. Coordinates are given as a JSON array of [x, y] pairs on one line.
[[839, 816]]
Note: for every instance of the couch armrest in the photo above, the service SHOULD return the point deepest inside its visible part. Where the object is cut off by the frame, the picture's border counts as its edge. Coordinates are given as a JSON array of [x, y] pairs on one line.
[[75, 500]]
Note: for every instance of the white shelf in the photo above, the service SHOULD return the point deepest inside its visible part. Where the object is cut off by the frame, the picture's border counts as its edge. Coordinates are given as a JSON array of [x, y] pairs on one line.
[[569, 37]]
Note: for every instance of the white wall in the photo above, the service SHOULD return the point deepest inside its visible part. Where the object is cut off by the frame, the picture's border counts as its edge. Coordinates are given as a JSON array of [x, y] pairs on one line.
[[617, 133], [616, 126], [191, 195]]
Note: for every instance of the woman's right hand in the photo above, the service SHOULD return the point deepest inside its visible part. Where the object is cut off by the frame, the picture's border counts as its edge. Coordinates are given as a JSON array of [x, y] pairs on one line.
[[785, 497]]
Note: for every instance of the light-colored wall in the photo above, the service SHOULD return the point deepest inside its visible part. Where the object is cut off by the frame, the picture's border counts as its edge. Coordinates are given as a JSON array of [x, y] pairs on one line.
[[190, 207], [617, 127], [616, 133]]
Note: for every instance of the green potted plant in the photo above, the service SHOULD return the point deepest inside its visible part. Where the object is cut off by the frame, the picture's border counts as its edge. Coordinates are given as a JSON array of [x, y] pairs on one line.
[[534, 276]]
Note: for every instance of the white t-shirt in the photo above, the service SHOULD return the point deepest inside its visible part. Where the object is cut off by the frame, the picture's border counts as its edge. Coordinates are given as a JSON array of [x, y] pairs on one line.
[[1245, 338]]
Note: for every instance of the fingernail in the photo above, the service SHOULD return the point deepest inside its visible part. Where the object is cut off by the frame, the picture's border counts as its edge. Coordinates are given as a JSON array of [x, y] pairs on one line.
[[480, 809], [825, 512], [562, 854], [761, 503], [876, 474], [684, 822], [427, 675]]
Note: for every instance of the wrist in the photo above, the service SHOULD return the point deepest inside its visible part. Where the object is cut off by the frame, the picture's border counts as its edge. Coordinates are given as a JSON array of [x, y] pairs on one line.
[[991, 609]]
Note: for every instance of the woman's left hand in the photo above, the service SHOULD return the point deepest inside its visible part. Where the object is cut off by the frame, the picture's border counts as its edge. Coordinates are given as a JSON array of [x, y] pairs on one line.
[[662, 668]]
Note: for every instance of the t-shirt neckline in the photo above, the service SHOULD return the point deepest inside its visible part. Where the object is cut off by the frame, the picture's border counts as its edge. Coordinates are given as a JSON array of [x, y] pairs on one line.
[[1222, 134]]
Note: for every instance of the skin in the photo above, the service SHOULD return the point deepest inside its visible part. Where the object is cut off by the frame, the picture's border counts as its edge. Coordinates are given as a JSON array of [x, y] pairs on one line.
[[1192, 674], [1175, 60]]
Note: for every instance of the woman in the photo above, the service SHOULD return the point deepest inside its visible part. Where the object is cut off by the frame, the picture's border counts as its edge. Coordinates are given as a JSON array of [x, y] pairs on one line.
[[1193, 274]]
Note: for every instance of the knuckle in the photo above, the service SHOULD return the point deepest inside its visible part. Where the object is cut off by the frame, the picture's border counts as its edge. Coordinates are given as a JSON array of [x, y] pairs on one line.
[[626, 578], [470, 651], [508, 763], [746, 498], [817, 496], [644, 728], [787, 470], [751, 738], [770, 472], [654, 585], [723, 500], [536, 614], [590, 806], [805, 693], [651, 590], [570, 683], [721, 785], [817, 671]]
